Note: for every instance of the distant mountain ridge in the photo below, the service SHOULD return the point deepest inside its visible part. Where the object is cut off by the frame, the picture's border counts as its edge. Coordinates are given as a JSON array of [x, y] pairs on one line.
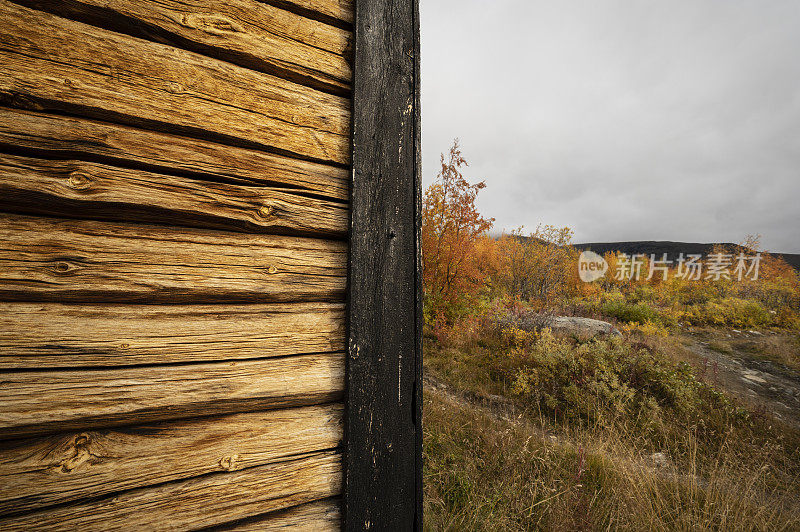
[[672, 249]]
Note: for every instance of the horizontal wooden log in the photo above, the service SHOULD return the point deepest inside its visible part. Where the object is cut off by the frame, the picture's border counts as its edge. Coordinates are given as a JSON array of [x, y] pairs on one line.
[[52, 335], [66, 467], [69, 137], [199, 502], [50, 62], [249, 33], [319, 516], [38, 402], [49, 259], [335, 10], [92, 190]]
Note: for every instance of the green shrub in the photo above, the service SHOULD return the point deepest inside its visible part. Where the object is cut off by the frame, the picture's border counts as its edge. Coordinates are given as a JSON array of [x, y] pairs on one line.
[[606, 381], [731, 312], [631, 312], [643, 293]]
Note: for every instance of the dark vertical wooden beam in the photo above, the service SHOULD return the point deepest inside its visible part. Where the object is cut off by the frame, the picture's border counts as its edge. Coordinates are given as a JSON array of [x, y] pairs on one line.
[[418, 268], [383, 433]]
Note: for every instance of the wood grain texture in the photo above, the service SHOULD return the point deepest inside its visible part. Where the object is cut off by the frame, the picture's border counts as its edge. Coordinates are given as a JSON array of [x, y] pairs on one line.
[[246, 32], [52, 470], [65, 137], [199, 502], [53, 63], [53, 335], [336, 12], [319, 516], [36, 402], [383, 439], [76, 260], [92, 190], [135, 339]]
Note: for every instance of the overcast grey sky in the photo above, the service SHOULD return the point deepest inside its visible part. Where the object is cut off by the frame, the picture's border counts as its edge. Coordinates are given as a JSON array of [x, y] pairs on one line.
[[625, 120]]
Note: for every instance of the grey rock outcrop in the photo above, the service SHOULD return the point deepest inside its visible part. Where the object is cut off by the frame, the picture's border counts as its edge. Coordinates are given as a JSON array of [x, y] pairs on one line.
[[570, 326], [582, 328]]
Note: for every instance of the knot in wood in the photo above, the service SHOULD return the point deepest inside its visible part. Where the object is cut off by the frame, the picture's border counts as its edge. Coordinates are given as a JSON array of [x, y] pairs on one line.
[[174, 87], [266, 211], [78, 453], [63, 267], [214, 24], [229, 463], [272, 269], [79, 181]]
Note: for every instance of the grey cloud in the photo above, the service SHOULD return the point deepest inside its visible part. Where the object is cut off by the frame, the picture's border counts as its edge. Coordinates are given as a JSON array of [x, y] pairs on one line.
[[625, 120]]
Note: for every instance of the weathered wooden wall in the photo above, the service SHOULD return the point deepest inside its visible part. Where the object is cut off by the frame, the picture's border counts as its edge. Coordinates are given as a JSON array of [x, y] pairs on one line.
[[174, 187]]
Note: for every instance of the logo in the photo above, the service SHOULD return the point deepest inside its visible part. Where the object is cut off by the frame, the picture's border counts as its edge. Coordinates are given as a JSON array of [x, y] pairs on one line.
[[591, 266]]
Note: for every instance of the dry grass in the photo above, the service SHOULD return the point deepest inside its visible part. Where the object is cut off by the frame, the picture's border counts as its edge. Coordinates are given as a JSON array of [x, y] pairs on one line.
[[485, 473], [542, 471]]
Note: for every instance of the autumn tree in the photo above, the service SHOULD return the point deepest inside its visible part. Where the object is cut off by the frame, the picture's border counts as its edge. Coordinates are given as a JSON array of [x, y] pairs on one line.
[[777, 284], [451, 229], [486, 263], [539, 265]]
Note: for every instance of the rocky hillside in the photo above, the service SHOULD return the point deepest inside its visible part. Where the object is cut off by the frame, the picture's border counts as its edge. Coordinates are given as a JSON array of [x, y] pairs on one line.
[[672, 249]]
